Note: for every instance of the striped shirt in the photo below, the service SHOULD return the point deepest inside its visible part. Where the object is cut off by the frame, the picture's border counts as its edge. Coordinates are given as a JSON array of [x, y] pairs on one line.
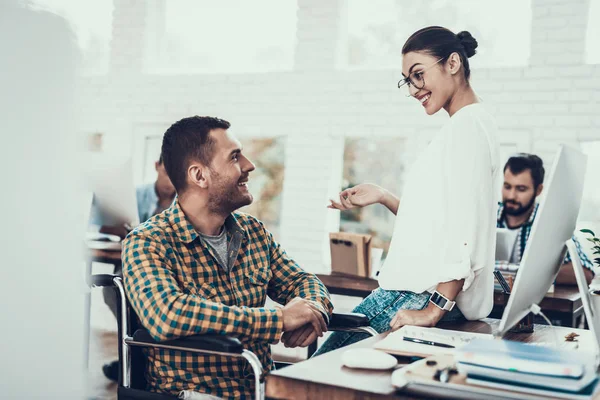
[[176, 287]]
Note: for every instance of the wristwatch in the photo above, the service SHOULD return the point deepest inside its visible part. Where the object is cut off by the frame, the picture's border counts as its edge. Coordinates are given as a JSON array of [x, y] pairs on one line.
[[441, 301]]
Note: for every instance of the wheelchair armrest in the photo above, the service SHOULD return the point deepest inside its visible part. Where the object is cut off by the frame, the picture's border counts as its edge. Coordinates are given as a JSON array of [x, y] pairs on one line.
[[208, 342], [102, 280], [347, 321]]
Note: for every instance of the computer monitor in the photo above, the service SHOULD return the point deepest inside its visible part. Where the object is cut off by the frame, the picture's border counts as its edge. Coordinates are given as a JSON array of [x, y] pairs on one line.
[[592, 314], [87, 198], [554, 224], [111, 181]]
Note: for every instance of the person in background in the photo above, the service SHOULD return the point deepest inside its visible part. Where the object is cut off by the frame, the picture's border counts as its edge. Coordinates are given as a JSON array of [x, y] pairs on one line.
[[441, 258], [523, 184], [201, 266], [152, 198]]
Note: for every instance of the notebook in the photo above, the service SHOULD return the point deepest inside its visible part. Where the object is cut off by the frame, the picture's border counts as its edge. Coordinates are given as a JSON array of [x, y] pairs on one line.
[[419, 378], [395, 342]]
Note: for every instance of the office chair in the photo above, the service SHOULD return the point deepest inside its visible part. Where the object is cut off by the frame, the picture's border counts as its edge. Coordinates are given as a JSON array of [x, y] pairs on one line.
[[133, 338]]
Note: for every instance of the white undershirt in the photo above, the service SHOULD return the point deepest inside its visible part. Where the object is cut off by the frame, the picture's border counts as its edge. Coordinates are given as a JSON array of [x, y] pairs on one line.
[[445, 228]]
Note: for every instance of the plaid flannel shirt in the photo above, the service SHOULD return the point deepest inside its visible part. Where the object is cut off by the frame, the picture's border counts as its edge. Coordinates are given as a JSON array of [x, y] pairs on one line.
[[525, 230], [177, 288]]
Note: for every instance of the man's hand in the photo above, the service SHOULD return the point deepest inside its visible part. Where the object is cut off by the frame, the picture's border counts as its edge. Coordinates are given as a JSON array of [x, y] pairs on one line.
[[427, 317], [300, 312], [300, 337]]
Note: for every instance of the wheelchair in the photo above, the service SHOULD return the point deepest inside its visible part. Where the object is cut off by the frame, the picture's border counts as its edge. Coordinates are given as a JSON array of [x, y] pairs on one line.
[[133, 338]]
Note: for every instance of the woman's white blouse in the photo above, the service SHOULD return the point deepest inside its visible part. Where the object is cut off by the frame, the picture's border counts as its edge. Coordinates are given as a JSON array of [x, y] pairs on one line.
[[445, 227]]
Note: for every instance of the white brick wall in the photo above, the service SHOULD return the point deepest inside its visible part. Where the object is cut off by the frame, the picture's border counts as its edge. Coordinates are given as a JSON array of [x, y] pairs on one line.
[[553, 100]]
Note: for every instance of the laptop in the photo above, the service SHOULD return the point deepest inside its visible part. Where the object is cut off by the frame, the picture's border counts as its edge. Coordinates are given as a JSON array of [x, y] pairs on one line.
[[505, 243]]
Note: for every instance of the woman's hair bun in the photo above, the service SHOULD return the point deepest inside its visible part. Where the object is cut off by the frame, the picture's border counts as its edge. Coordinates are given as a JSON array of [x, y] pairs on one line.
[[468, 42]]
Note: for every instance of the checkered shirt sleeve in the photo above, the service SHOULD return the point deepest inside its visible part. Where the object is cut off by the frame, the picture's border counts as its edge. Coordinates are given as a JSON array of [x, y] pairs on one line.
[[289, 280]]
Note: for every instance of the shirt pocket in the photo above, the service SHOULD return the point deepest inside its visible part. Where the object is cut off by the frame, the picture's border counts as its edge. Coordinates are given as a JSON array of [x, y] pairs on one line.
[[201, 289], [258, 279]]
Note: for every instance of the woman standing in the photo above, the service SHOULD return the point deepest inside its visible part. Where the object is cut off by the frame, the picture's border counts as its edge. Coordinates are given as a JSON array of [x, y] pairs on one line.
[[441, 256]]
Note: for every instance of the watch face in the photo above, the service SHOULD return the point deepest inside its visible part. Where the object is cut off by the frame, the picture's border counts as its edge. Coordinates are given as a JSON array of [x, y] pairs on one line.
[[438, 300], [442, 302]]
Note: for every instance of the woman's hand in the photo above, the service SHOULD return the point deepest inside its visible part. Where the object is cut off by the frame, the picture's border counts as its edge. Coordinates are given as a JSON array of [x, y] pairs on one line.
[[427, 317], [358, 196]]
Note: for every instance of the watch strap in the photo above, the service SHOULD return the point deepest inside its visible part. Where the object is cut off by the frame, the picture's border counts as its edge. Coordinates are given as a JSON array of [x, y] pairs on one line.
[[441, 301]]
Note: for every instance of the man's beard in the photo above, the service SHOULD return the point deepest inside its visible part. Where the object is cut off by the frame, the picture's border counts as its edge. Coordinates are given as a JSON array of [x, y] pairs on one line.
[[515, 212], [226, 197]]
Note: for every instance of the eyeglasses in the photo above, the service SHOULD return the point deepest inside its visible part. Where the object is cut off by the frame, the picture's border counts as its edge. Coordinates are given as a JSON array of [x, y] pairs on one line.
[[416, 79]]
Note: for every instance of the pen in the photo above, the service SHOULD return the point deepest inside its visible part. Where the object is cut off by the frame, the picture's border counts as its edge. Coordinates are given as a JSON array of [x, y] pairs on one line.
[[428, 342]]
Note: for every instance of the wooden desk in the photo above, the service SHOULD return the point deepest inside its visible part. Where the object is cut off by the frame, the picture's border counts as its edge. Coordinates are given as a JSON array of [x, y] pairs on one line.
[[103, 256], [564, 304], [347, 285], [106, 256], [324, 377]]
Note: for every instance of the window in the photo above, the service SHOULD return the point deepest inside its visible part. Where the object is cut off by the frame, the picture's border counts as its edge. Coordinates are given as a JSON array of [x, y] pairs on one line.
[[145, 148], [592, 50], [91, 21], [380, 161], [376, 34], [513, 142], [152, 148], [266, 182], [230, 36]]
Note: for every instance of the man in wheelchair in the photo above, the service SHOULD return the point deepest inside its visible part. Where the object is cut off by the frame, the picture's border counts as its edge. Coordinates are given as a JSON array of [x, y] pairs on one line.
[[201, 267]]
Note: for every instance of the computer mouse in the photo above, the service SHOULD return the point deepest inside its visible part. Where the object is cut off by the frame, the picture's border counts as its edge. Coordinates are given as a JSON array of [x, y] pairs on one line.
[[368, 359]]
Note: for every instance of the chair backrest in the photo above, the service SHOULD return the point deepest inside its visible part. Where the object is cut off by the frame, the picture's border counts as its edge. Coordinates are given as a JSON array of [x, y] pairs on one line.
[[138, 359]]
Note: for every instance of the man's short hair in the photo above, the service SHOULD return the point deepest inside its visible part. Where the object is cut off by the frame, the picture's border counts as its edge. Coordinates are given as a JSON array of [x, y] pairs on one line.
[[522, 162], [187, 140]]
